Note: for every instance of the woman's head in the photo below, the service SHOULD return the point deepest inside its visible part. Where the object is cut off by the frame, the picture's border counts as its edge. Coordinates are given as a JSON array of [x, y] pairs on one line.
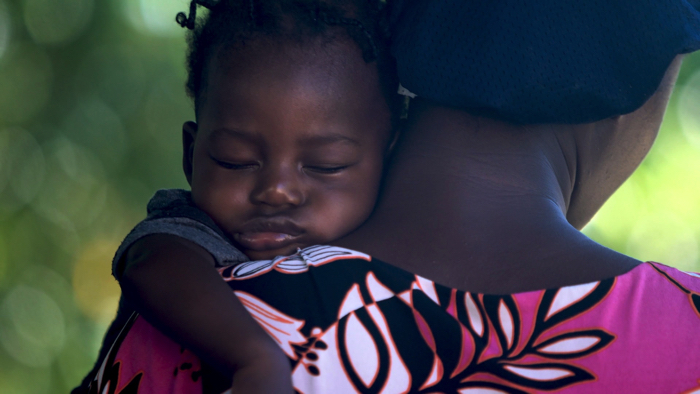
[[293, 124], [576, 166]]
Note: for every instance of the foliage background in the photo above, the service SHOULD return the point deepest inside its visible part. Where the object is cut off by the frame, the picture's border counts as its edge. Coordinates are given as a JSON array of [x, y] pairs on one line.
[[91, 104]]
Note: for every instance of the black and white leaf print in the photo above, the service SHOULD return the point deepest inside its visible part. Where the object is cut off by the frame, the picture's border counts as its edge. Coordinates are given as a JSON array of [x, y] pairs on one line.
[[504, 311], [544, 376], [574, 344], [476, 321], [561, 304]]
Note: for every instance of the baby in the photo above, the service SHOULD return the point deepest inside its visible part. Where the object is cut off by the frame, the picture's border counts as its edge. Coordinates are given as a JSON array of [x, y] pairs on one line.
[[295, 105]]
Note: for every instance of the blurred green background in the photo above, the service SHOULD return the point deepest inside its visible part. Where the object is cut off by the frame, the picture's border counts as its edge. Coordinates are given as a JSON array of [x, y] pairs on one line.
[[91, 104]]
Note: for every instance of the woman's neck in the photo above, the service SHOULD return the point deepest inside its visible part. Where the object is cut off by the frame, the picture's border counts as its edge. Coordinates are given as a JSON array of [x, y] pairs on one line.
[[484, 204]]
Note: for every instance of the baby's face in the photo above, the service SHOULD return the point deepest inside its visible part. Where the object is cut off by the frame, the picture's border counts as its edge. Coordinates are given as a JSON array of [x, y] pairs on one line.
[[289, 145]]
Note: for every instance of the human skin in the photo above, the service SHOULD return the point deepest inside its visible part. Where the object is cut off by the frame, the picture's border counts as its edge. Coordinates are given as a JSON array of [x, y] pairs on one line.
[[287, 152], [488, 206]]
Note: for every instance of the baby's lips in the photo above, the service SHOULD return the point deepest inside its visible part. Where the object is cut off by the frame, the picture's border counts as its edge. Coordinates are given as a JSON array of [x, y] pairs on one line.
[[262, 241], [270, 225]]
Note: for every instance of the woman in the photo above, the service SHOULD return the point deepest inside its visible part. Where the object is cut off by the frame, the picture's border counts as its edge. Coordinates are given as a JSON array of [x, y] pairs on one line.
[[559, 108]]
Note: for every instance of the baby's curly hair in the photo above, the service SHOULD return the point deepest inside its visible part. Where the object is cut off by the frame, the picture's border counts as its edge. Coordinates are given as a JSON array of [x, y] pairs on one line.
[[235, 22]]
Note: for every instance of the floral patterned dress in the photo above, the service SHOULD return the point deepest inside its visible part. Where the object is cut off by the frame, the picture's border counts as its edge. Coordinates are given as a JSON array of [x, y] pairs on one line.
[[352, 324]]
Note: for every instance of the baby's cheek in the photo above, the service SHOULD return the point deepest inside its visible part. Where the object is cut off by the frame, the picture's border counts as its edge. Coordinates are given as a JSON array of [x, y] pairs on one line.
[[347, 204], [358, 208]]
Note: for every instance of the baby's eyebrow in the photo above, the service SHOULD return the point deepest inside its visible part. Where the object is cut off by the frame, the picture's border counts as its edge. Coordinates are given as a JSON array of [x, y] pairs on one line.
[[327, 139], [224, 132]]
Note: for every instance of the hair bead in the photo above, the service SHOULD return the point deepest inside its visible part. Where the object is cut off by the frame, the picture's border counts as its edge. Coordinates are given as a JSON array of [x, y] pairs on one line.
[[188, 21], [185, 20]]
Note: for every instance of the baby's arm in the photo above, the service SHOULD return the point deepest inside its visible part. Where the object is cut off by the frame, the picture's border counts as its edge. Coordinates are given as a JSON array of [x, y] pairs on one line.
[[172, 283]]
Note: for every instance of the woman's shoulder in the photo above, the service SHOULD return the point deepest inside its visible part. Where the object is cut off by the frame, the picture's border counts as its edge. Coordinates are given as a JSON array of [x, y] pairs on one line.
[[688, 280], [663, 279], [653, 293]]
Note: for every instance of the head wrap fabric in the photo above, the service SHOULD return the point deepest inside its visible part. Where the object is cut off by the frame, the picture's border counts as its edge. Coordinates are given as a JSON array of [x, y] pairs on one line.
[[540, 61]]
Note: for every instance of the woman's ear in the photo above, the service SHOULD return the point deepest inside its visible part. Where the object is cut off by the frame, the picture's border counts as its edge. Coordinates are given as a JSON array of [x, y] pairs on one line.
[[396, 133], [189, 133]]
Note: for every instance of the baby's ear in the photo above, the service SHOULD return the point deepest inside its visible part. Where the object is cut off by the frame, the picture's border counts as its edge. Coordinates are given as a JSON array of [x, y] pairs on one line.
[[189, 133]]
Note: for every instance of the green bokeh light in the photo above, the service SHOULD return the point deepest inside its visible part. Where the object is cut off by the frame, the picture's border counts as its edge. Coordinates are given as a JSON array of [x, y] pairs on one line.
[[95, 126], [113, 74], [5, 28], [26, 78], [33, 327], [15, 378], [74, 193], [22, 169], [56, 21], [4, 262]]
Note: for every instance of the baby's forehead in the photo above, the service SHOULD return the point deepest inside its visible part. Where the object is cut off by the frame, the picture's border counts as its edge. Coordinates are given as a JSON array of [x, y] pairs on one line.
[[335, 70], [335, 57], [283, 86], [334, 60]]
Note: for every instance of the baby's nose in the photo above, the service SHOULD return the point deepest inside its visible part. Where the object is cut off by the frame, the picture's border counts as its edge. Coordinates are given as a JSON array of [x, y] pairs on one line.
[[278, 187]]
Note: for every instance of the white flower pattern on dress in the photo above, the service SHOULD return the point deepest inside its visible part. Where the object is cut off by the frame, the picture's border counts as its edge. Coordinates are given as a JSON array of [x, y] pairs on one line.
[[297, 263]]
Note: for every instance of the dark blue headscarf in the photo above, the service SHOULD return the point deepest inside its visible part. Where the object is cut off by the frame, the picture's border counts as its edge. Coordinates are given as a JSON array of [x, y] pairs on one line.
[[540, 61]]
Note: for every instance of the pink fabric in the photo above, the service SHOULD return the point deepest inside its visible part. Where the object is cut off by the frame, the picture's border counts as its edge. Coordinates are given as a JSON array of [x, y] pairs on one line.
[[639, 332], [657, 334], [143, 360]]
